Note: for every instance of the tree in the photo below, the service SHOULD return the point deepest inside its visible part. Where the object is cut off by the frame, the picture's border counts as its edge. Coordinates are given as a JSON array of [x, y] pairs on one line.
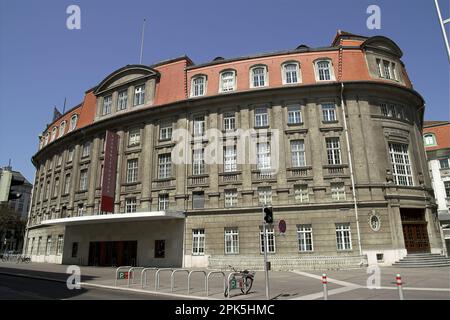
[[11, 225]]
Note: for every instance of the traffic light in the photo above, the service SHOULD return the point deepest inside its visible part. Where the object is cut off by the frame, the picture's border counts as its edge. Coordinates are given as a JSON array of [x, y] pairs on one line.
[[8, 186], [268, 214]]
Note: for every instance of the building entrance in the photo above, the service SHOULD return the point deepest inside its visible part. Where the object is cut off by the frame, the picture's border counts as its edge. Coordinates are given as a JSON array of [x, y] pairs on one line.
[[112, 253], [415, 230]]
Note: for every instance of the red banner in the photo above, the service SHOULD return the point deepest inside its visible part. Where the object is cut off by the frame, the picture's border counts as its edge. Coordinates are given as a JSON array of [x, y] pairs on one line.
[[109, 172]]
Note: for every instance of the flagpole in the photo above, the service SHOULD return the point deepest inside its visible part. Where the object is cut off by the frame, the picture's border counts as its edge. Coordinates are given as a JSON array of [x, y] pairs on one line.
[[142, 42]]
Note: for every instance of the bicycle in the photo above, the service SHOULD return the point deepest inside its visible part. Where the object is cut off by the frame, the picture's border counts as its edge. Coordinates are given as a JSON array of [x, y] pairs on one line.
[[23, 258], [245, 285]]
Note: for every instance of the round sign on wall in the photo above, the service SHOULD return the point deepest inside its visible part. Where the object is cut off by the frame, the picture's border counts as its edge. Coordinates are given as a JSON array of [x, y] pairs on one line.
[[282, 226]]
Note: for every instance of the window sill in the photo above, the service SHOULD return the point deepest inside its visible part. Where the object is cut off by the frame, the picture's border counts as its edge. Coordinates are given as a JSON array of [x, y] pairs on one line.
[[262, 127], [295, 124], [330, 122]]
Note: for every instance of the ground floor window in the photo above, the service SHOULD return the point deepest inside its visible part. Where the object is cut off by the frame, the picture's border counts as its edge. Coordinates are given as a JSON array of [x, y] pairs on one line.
[[74, 249], [270, 240], [48, 247], [198, 241], [130, 205], [59, 245], [343, 236], [160, 248], [231, 241], [305, 238]]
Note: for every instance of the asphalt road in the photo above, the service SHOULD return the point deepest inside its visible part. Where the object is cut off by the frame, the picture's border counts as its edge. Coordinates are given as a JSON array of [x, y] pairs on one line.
[[20, 288]]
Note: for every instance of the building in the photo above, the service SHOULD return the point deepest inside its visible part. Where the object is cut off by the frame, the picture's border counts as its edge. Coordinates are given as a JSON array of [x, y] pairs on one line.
[[330, 137], [436, 138]]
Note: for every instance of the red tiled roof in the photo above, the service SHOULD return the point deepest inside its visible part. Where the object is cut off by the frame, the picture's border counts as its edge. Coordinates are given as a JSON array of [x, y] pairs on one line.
[[441, 132]]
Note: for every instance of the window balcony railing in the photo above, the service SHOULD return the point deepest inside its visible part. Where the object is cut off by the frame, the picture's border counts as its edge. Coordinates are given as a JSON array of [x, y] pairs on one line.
[[300, 172], [162, 183], [230, 177], [336, 170], [258, 175], [198, 180]]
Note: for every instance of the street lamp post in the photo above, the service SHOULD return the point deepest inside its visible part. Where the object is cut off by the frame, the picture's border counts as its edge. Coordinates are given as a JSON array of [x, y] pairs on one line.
[[266, 270]]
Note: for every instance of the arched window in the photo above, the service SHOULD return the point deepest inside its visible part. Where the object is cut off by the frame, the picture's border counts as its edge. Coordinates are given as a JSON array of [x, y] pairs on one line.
[[290, 73], [258, 77], [429, 140], [198, 87], [227, 81], [73, 122], [47, 137], [324, 70], [62, 128], [54, 131]]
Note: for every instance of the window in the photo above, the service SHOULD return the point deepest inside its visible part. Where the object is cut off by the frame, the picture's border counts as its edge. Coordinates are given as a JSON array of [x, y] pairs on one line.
[[261, 117], [333, 151], [107, 102], [39, 246], [165, 166], [447, 189], [160, 248], [294, 114], [379, 68], [258, 77], [83, 180], [48, 246], [139, 94], [384, 110], [130, 205], [230, 198], [54, 131], [132, 170], [301, 193], [198, 86], [263, 156], [74, 249], [198, 163], [231, 241], [229, 121], [122, 100], [444, 163], [198, 242], [59, 160], [73, 122], [199, 126], [62, 128], [47, 190], [270, 240], [343, 236], [290, 73], [198, 200], [227, 81], [80, 210], [165, 131], [400, 162], [70, 155], [394, 73], [305, 239], [86, 150], [56, 188], [60, 245], [429, 139], [298, 153], [163, 202], [47, 137], [338, 191], [134, 137], [323, 70], [329, 112], [265, 195], [387, 69], [230, 162], [67, 184]]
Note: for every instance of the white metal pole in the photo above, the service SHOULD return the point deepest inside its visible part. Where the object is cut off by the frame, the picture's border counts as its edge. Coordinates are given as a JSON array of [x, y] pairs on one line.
[[442, 23], [398, 279], [142, 42]]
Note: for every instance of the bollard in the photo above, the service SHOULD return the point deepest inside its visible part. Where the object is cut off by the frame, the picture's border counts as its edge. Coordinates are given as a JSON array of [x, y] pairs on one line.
[[324, 283], [398, 279]]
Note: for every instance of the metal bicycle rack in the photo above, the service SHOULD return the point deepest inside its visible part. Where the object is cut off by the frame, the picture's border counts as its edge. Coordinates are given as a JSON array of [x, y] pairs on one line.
[[144, 276], [228, 282], [157, 276], [117, 273], [207, 280], [131, 274], [189, 279], [172, 277]]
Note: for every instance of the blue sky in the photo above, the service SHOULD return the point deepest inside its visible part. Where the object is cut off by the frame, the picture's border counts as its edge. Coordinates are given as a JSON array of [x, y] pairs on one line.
[[42, 62]]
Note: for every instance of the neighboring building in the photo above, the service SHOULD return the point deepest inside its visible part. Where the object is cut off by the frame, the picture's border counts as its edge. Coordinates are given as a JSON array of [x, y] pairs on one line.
[[436, 138], [291, 111], [12, 239]]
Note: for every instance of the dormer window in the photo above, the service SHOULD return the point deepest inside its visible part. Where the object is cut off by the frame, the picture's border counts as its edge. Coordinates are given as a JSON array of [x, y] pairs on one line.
[[139, 94], [62, 128], [198, 88], [291, 73], [386, 69], [107, 101], [258, 77], [47, 137], [73, 122], [429, 140], [227, 81], [122, 100], [324, 70], [54, 130]]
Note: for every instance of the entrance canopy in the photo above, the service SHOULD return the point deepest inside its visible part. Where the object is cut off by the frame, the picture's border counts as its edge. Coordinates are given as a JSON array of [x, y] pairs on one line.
[[118, 217]]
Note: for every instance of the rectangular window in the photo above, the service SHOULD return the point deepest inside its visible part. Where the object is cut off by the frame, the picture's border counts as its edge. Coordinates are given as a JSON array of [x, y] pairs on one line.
[[259, 77], [301, 193], [291, 73], [134, 137], [39, 246], [86, 150], [198, 163], [198, 200], [165, 166], [130, 205], [261, 117], [227, 81], [165, 131], [56, 188], [294, 114], [160, 248], [270, 240], [333, 151], [400, 164], [305, 238], [107, 101], [379, 68], [139, 94], [199, 126], [447, 189], [230, 198], [80, 210], [70, 156], [230, 159], [60, 245], [231, 241], [132, 170], [394, 73], [329, 112], [298, 153], [323, 67], [67, 184], [387, 69], [444, 163], [122, 100], [263, 156], [74, 249], [384, 110], [198, 242], [59, 160], [83, 180], [229, 121], [343, 236], [48, 247], [198, 86], [338, 191], [265, 195], [163, 202]]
